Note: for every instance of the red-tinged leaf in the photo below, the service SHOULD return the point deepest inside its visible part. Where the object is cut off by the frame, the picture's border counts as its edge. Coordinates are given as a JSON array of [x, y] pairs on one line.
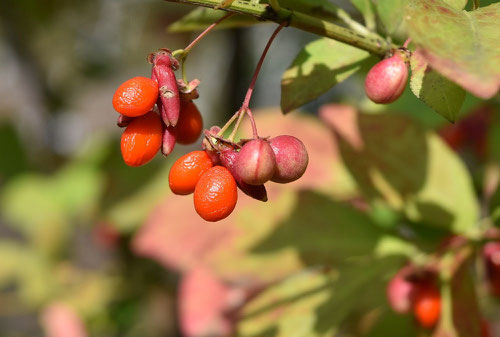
[[394, 158], [463, 46], [205, 303], [60, 320]]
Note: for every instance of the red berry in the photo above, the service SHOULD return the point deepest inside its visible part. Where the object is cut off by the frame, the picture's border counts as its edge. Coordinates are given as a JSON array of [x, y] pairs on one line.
[[216, 194], [189, 125], [291, 158], [141, 140], [427, 305], [386, 81], [187, 171], [255, 163], [136, 96]]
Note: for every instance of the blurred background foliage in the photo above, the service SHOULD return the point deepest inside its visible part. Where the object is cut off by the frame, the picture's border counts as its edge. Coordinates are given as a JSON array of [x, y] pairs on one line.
[[104, 248]]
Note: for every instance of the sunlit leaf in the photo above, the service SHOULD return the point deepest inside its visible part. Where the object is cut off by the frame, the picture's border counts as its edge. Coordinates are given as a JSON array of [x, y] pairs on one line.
[[314, 303], [200, 18], [318, 67], [394, 159], [461, 45], [444, 96]]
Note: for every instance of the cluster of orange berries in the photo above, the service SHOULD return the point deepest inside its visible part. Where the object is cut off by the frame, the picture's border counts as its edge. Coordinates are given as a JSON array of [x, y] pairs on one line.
[[215, 173], [158, 112]]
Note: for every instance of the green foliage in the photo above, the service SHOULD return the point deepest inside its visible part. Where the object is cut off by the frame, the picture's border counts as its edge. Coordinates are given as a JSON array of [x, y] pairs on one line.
[[463, 46], [200, 18], [318, 67], [444, 96]]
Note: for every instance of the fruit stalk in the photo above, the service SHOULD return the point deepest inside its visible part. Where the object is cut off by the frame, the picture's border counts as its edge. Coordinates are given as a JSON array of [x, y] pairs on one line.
[[245, 106], [305, 22]]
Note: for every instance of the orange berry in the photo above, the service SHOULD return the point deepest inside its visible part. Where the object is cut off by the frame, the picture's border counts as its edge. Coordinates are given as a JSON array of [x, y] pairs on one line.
[[187, 170], [427, 305], [190, 124], [136, 96], [141, 140], [215, 195]]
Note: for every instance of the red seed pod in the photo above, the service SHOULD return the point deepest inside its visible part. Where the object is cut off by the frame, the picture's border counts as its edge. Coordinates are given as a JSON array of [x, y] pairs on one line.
[[427, 304], [400, 292], [228, 158], [164, 74], [386, 80], [188, 91], [124, 121], [168, 141], [491, 256], [256, 163], [291, 158]]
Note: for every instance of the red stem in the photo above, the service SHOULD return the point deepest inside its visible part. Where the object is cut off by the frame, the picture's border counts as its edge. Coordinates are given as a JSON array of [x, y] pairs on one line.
[[248, 96], [206, 31], [407, 42]]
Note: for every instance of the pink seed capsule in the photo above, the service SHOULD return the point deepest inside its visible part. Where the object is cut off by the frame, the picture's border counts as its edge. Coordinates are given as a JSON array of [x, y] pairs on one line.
[[163, 73], [228, 158], [386, 80], [399, 293], [291, 158], [256, 163], [168, 141]]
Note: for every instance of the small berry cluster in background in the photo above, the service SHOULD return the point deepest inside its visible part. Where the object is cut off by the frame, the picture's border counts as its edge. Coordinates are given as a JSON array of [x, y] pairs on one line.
[[418, 289]]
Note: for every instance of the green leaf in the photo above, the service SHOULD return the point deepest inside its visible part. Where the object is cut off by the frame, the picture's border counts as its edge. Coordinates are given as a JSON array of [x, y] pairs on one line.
[[200, 18], [318, 67], [444, 96], [366, 8], [315, 303], [463, 46], [457, 4], [390, 13], [394, 159]]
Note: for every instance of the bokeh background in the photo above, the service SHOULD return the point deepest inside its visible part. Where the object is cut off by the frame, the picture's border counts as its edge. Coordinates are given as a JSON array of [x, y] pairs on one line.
[[91, 247]]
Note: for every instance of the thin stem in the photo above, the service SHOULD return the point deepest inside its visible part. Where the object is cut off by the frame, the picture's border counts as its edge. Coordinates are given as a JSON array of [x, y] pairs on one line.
[[206, 31], [228, 124], [241, 113], [248, 96], [407, 43], [305, 22], [475, 4]]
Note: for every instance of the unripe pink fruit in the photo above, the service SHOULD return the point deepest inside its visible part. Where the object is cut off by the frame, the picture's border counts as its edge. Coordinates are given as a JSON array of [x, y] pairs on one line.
[[255, 164], [291, 158], [399, 293], [228, 159], [386, 81]]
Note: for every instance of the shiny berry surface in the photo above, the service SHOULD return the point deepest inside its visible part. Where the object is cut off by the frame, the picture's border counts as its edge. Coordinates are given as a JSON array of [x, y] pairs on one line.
[[136, 96], [187, 171], [216, 194], [142, 139]]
